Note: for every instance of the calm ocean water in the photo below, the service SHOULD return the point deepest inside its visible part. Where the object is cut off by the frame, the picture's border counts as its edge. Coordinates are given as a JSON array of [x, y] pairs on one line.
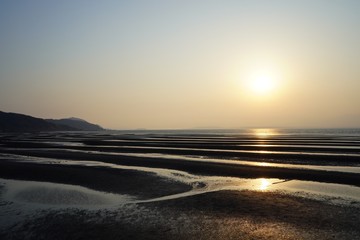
[[252, 131]]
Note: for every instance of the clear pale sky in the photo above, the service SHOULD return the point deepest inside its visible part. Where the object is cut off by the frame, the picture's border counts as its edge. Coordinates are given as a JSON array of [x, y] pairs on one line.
[[183, 64]]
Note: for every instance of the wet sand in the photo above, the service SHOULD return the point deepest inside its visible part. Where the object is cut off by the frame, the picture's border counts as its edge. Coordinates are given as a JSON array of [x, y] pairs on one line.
[[143, 185], [217, 215], [196, 167], [171, 197]]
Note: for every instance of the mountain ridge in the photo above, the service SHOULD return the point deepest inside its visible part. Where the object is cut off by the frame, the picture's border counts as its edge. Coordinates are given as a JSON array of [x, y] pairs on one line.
[[76, 123], [17, 122]]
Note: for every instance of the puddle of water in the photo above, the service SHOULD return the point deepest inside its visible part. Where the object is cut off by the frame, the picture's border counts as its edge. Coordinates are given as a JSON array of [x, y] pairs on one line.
[[61, 195], [349, 169], [350, 193], [64, 195], [237, 151], [65, 143]]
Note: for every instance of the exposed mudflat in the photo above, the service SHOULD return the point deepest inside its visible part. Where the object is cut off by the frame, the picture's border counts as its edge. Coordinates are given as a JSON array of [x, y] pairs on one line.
[[156, 186]]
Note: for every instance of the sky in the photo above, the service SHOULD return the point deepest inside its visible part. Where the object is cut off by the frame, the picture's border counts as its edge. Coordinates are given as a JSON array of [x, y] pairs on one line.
[[183, 64]]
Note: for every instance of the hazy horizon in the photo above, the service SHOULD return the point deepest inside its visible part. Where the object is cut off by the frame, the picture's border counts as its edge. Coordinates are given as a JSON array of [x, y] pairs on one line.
[[183, 64]]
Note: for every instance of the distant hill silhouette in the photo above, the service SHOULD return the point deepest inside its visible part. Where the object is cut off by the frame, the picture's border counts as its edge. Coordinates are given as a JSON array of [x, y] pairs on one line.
[[76, 123], [15, 122]]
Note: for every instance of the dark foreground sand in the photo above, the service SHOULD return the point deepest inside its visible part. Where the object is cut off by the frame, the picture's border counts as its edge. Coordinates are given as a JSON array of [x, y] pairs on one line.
[[217, 215], [212, 215]]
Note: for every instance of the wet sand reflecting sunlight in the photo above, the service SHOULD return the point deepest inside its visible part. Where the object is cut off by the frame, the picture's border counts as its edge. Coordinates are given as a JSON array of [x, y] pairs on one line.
[[180, 186]]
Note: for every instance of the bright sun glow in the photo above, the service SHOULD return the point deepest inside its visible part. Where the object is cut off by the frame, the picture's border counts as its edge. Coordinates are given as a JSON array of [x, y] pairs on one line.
[[262, 84], [264, 132], [264, 184]]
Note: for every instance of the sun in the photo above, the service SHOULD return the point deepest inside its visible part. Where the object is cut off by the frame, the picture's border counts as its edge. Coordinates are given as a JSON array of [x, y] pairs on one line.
[[262, 84]]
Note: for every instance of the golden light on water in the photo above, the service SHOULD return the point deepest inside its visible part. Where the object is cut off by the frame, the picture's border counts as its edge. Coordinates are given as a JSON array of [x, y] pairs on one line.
[[264, 132], [264, 184], [263, 164]]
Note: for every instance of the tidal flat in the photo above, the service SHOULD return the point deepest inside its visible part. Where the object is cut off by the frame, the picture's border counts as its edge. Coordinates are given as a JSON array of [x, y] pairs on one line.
[[180, 185]]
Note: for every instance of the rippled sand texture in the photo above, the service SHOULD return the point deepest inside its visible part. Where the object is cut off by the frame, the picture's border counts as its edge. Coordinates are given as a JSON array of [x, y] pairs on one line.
[[180, 185]]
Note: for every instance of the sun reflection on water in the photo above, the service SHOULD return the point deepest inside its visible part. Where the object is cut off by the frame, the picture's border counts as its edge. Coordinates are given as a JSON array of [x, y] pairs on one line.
[[264, 184], [264, 132], [263, 164]]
